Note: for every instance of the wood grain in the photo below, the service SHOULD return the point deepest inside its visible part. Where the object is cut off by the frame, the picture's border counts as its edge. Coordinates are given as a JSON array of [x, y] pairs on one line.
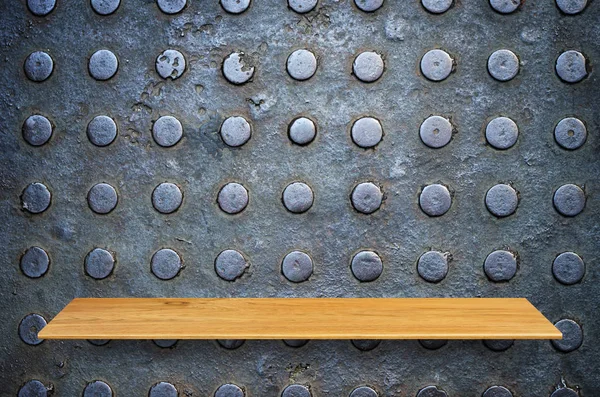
[[300, 318]]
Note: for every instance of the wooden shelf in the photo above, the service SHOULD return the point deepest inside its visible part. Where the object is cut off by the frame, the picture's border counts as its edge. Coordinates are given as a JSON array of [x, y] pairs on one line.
[[300, 318]]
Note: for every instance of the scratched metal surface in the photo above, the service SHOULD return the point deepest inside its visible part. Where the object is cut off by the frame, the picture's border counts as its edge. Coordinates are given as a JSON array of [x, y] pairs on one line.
[[331, 231]]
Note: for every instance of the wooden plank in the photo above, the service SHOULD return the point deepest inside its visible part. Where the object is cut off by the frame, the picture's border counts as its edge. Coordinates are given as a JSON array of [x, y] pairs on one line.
[[300, 318]]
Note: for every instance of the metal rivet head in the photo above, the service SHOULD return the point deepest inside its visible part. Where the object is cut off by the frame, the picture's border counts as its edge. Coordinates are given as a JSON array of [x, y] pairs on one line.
[[230, 344], [368, 5], [433, 344], [498, 345], [235, 131], [569, 200], [102, 131], [296, 391], [171, 6], [363, 391], [165, 343], [572, 336], [365, 344], [564, 392], [297, 266], [368, 66], [103, 65], [302, 131], [570, 133], [235, 6], [41, 8], [163, 389], [435, 200], [433, 266], [505, 6], [436, 65], [167, 131], [36, 198], [29, 327], [367, 132], [170, 64], [298, 197], [500, 266], [436, 131], [497, 391], [35, 262], [366, 266], [571, 66], [437, 6], [571, 7], [568, 268], [102, 198], [238, 68], [38, 66], [97, 388], [37, 130], [229, 390], [301, 65], [295, 342], [432, 391], [366, 197], [105, 7], [233, 198], [502, 200], [99, 263], [501, 133], [302, 6], [33, 388], [166, 264], [167, 198], [503, 65], [99, 342], [231, 265]]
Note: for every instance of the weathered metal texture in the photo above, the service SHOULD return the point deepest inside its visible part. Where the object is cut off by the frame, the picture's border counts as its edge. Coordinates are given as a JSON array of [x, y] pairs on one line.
[[331, 231]]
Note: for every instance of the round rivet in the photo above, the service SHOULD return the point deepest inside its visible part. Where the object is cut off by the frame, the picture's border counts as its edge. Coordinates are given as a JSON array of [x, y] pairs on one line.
[[572, 336], [497, 391], [501, 133], [38, 66], [368, 5], [503, 65], [435, 200], [102, 131], [235, 6], [505, 6], [102, 198], [295, 342], [165, 264], [167, 198], [235, 131], [437, 6], [564, 392], [165, 343], [365, 344], [568, 268], [302, 6], [37, 130], [366, 197], [367, 132], [103, 65], [571, 7], [99, 342], [498, 345], [301, 65], [163, 389], [432, 391], [99, 263], [167, 131], [363, 391], [433, 344], [233, 198], [297, 266], [501, 200], [33, 388], [235, 69], [105, 7], [571, 66], [436, 131], [230, 265], [97, 388], [171, 6], [36, 198], [433, 266], [296, 391], [229, 390], [569, 200], [500, 266], [436, 65], [366, 266], [230, 344], [570, 133], [368, 66], [298, 197], [35, 262], [302, 131], [29, 327], [41, 8], [170, 64]]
